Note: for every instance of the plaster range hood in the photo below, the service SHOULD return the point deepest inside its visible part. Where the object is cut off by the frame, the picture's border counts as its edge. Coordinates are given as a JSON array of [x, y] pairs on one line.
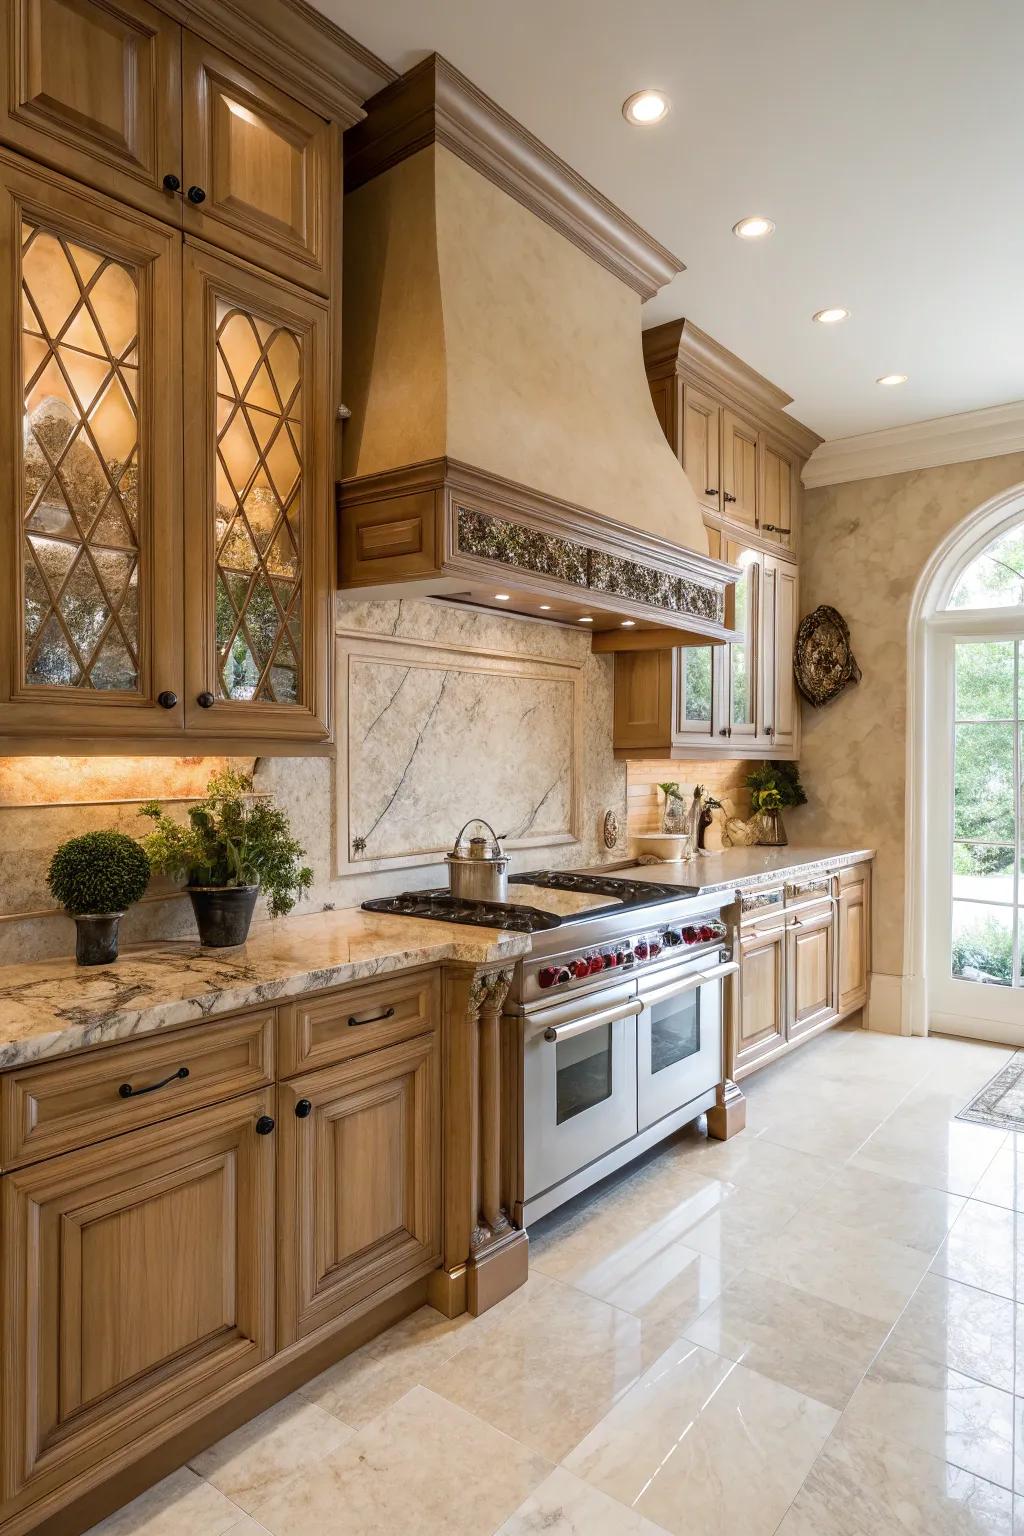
[[502, 446]]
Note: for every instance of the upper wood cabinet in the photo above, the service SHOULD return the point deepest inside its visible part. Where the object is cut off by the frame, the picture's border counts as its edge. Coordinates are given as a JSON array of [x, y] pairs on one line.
[[777, 501], [258, 548], [739, 470], [258, 167], [779, 714], [702, 446], [94, 89], [137, 1279], [90, 423]]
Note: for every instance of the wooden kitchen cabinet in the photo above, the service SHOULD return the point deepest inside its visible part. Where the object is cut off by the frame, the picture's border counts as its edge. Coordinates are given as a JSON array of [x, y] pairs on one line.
[[90, 407], [137, 1279], [702, 446], [779, 714], [854, 936], [811, 968], [760, 1029], [360, 1182], [259, 168], [258, 547], [778, 493], [739, 470], [93, 88]]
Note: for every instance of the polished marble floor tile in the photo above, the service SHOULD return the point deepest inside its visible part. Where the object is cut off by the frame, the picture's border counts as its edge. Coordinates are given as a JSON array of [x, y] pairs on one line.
[[890, 1208], [657, 1277], [424, 1465], [563, 1505], [865, 1485], [290, 1436], [957, 1325], [908, 1397], [981, 1249], [754, 1163], [851, 1268], [181, 1505], [557, 1364], [802, 1341], [950, 1155], [1002, 1183], [704, 1446]]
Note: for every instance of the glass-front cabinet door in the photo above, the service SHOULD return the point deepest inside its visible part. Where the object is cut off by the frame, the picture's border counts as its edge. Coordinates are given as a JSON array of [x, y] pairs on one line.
[[741, 655], [257, 546], [91, 437]]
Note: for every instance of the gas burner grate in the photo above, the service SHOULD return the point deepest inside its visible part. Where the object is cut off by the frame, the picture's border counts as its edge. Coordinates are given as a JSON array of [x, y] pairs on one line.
[[443, 907], [631, 893]]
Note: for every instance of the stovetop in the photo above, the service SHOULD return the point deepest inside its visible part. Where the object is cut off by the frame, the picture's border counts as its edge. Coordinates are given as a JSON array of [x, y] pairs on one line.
[[523, 916]]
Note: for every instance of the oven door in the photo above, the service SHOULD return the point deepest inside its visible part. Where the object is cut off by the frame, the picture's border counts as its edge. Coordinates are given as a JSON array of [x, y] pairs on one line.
[[580, 1084], [679, 1038]]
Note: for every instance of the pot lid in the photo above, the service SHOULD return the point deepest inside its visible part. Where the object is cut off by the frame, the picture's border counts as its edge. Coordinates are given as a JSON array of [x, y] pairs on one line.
[[477, 847]]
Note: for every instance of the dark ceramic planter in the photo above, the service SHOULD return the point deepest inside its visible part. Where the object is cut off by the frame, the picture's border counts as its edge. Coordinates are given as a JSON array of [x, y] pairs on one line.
[[96, 937], [223, 913]]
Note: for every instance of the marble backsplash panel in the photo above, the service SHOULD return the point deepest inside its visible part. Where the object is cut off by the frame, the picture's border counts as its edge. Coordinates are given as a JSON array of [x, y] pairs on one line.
[[541, 667]]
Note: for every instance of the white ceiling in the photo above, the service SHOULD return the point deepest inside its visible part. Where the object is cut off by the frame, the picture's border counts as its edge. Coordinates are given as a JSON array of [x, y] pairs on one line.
[[884, 137]]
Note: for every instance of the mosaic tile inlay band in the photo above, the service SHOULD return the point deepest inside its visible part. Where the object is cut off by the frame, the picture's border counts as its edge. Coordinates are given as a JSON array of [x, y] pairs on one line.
[[548, 554]]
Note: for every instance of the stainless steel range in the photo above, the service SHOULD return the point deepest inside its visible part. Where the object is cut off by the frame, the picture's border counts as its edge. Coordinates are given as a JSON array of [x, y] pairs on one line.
[[620, 1004]]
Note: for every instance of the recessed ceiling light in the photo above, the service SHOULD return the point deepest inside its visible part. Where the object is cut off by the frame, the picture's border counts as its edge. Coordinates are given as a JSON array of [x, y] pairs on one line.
[[545, 607], [628, 623], [644, 108], [586, 620], [889, 379], [502, 597], [831, 316], [754, 227]]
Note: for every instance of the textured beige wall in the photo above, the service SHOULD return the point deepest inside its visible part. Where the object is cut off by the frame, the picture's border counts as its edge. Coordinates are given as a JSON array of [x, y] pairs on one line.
[[865, 546], [457, 298]]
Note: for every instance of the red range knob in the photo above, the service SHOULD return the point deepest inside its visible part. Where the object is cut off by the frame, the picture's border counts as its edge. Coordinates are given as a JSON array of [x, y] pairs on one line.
[[704, 933], [608, 961], [655, 950], [580, 968], [547, 976], [641, 951], [596, 964]]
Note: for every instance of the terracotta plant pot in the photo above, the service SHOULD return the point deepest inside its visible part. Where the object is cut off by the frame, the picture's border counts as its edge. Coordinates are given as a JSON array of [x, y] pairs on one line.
[[223, 913], [96, 937]]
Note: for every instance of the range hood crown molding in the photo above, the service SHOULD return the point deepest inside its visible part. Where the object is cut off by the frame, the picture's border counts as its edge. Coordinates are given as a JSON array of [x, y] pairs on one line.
[[435, 103]]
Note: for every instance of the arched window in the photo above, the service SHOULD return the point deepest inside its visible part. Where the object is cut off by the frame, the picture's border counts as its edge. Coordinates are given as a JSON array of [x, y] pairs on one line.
[[973, 763]]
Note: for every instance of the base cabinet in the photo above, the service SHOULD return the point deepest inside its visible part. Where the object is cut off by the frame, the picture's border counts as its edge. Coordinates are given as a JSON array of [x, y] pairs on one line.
[[854, 919], [360, 1180], [761, 1012], [138, 1278], [811, 970]]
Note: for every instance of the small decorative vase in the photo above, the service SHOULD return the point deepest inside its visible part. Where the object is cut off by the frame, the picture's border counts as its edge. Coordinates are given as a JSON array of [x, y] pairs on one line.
[[674, 820], [96, 937], [770, 831], [223, 913]]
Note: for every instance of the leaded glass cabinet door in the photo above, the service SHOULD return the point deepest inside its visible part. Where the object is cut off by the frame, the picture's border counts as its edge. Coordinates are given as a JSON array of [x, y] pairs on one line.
[[90, 341], [259, 519]]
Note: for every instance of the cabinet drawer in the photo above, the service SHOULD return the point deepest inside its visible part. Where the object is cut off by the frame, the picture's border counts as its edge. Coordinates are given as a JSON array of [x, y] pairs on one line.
[[81, 1099], [335, 1026]]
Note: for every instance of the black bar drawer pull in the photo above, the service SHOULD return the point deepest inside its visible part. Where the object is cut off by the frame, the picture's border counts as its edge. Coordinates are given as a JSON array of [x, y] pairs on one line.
[[126, 1091], [374, 1018]]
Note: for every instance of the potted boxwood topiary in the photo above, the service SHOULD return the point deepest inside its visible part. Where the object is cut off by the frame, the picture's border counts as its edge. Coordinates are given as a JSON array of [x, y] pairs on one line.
[[96, 877], [235, 844]]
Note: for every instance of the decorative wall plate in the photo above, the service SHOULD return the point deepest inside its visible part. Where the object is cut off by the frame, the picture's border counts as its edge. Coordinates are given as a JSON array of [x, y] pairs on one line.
[[822, 659]]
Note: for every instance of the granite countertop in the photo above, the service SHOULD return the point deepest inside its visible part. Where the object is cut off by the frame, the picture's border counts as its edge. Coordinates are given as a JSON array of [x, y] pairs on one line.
[[51, 1007], [737, 869]]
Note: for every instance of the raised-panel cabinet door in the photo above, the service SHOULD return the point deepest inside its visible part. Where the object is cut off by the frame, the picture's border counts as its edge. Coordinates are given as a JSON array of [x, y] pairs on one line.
[[781, 706], [137, 1280], [779, 489], [359, 1182], [259, 168], [812, 971], [854, 937], [761, 1015], [258, 512], [702, 448], [90, 641], [739, 469], [93, 87]]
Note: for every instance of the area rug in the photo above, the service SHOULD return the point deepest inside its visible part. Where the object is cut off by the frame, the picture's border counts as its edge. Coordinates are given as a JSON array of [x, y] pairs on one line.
[[1001, 1101]]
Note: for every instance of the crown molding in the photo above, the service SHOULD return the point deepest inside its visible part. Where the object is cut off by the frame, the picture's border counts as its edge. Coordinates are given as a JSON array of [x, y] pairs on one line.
[[956, 439], [678, 347], [294, 44], [434, 103]]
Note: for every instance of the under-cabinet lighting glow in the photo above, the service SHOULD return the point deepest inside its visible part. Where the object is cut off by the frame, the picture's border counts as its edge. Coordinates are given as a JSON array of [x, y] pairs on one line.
[[502, 597], [586, 620], [628, 623]]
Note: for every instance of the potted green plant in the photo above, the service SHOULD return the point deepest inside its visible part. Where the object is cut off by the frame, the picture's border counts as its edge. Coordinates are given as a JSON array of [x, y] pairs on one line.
[[773, 787], [235, 843], [96, 877]]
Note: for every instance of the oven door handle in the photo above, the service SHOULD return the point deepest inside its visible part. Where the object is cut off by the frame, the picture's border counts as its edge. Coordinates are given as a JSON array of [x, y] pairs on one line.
[[689, 983], [556, 1032]]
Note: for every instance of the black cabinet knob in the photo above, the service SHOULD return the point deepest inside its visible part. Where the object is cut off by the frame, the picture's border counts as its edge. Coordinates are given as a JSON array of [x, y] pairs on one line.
[[196, 195], [729, 496], [722, 731], [303, 1109], [205, 700], [711, 490], [264, 1125], [171, 183], [167, 699]]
